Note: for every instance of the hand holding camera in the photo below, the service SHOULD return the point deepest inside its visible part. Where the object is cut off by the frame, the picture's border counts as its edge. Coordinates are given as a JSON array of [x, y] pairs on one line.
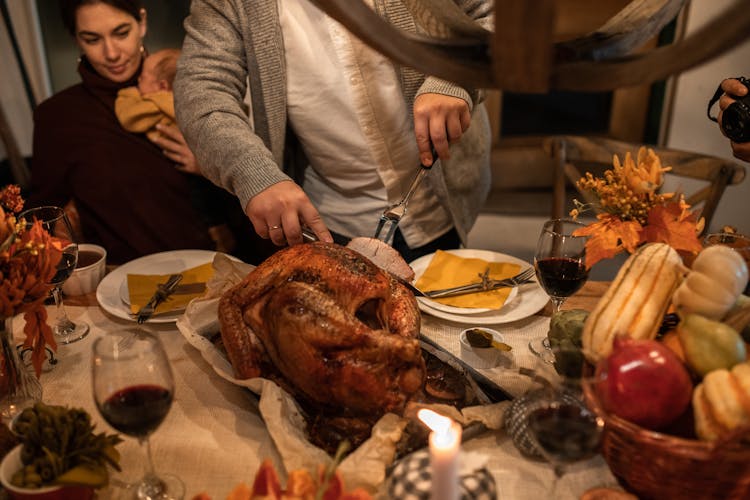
[[733, 96]]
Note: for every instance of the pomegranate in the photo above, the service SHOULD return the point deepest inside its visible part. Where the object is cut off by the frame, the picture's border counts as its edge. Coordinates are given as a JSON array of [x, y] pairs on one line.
[[644, 382]]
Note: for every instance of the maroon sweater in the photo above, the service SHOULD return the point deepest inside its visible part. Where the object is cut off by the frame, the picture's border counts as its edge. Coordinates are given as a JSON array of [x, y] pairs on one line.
[[130, 197]]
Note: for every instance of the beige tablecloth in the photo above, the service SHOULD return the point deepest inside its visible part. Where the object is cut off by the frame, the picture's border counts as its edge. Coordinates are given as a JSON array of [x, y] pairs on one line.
[[214, 438]]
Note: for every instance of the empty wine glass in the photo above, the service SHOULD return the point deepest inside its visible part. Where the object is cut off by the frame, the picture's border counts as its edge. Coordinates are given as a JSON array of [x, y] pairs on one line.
[[559, 424], [133, 390], [55, 222]]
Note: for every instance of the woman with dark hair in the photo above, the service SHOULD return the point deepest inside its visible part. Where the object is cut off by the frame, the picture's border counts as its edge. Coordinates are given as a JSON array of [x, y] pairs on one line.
[[132, 194]]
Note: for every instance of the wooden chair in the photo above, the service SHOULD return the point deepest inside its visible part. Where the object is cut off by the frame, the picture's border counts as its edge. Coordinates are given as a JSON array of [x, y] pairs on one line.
[[522, 53], [575, 155]]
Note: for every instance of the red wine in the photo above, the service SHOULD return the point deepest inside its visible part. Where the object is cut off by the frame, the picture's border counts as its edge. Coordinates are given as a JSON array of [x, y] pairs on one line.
[[137, 410], [64, 269], [566, 432], [561, 276]]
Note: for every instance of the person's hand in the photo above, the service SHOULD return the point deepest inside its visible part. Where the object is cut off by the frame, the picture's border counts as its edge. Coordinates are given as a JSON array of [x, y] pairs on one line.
[[174, 147], [733, 87], [441, 119], [278, 211]]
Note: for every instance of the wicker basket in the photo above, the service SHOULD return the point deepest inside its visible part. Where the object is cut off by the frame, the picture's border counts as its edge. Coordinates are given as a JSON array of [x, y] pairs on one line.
[[661, 466]]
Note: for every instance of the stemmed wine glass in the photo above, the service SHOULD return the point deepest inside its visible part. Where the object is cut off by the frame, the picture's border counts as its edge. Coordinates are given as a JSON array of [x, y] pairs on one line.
[[559, 259], [56, 222], [560, 267], [133, 390], [559, 424]]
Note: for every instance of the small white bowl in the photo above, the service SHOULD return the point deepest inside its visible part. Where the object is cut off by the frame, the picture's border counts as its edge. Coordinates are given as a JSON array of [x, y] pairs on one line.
[[480, 357], [86, 278], [12, 463]]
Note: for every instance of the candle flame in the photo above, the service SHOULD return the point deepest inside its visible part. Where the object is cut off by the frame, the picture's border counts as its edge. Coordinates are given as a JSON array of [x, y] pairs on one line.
[[436, 422]]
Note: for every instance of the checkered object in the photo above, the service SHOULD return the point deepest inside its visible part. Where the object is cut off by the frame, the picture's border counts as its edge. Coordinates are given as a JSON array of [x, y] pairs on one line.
[[411, 480], [516, 420]]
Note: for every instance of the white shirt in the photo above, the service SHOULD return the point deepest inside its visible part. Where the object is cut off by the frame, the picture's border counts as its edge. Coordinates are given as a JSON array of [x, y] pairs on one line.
[[345, 104]]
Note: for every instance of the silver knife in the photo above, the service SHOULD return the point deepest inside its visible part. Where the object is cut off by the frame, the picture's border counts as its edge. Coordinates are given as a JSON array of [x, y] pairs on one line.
[[163, 290], [490, 391]]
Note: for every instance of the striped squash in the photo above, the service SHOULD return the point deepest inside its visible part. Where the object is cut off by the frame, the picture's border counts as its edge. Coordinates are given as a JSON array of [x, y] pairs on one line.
[[720, 402], [636, 301]]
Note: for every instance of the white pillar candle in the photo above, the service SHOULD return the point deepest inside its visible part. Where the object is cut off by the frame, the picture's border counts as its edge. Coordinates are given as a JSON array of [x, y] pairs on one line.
[[445, 447]]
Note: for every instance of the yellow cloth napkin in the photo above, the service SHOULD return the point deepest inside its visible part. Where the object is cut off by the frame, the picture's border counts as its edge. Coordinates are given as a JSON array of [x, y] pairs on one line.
[[447, 270], [141, 288]]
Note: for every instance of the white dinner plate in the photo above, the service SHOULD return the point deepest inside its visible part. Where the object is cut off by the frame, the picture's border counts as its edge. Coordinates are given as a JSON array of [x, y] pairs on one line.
[[420, 265], [112, 292], [529, 299]]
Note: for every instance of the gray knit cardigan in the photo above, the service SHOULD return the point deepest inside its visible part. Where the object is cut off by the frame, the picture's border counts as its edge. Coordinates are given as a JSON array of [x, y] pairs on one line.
[[231, 44]]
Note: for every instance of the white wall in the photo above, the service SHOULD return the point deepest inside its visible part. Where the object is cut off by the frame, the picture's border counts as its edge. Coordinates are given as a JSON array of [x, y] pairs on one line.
[[691, 130]]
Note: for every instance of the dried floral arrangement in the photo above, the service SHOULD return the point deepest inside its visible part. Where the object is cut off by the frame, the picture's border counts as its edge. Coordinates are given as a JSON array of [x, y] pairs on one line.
[[633, 211], [28, 261], [300, 485]]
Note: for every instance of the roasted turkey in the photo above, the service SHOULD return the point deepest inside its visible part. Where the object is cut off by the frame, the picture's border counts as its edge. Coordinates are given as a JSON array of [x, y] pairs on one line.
[[331, 327]]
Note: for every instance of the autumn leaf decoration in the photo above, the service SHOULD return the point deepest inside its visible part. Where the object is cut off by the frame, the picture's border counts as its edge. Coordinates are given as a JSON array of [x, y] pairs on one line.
[[28, 261], [633, 212]]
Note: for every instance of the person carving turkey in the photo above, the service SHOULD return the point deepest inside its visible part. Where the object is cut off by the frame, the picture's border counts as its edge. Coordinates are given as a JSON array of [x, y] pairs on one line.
[[328, 110]]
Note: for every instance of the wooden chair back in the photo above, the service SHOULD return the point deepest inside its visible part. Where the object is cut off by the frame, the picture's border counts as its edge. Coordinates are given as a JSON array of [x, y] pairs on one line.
[[573, 156], [521, 53]]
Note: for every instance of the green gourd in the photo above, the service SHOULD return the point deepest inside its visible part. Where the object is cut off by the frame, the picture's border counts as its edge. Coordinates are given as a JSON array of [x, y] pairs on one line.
[[709, 345], [566, 327]]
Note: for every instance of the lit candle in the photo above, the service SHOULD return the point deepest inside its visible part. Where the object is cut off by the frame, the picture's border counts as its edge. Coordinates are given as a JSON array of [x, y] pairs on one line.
[[445, 445]]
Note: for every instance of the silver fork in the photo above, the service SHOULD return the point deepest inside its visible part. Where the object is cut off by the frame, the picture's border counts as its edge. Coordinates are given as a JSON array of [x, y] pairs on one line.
[[486, 284], [163, 290], [392, 215]]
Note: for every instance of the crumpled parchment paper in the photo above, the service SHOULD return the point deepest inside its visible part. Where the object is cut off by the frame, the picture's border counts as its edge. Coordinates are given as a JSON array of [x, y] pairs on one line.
[[366, 466]]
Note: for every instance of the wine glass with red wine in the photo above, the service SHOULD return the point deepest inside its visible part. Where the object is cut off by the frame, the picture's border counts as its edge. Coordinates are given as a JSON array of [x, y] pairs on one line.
[[133, 390], [55, 221], [559, 260], [559, 424]]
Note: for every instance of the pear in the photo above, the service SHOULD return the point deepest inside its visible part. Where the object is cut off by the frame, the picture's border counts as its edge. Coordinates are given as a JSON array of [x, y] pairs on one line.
[[709, 345]]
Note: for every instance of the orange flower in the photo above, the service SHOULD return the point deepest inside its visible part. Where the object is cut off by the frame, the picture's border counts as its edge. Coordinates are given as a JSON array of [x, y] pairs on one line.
[[646, 175], [28, 261], [634, 212], [10, 197]]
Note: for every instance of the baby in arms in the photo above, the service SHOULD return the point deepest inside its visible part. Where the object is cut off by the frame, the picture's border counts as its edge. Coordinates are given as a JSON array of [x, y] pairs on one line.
[[141, 108]]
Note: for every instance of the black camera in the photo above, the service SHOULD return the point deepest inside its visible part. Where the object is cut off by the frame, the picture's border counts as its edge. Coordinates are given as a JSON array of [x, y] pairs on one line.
[[735, 121]]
